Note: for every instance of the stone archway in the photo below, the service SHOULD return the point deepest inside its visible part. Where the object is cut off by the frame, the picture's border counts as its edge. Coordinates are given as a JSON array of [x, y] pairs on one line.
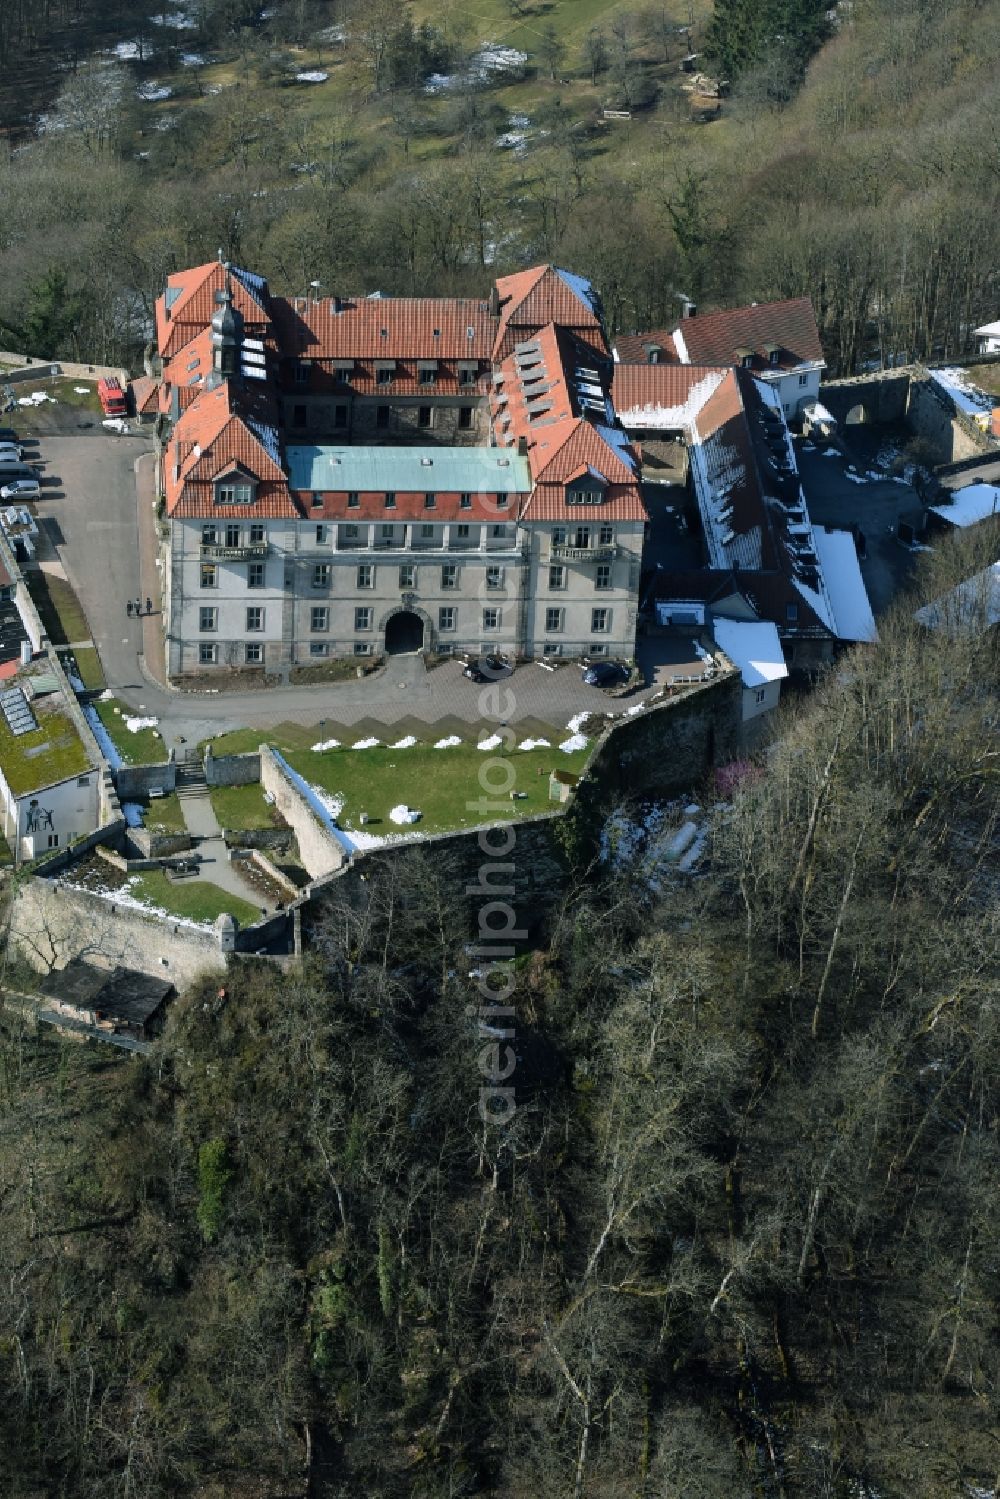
[[857, 416], [405, 632]]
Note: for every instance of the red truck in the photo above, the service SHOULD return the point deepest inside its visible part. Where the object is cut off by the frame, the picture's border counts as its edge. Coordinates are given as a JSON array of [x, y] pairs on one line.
[[112, 397]]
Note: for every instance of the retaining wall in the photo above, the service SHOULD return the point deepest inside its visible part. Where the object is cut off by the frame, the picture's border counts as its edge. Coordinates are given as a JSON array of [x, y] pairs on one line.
[[951, 434], [135, 782], [884, 395], [108, 836], [319, 851], [231, 770], [29, 368], [158, 845], [52, 923]]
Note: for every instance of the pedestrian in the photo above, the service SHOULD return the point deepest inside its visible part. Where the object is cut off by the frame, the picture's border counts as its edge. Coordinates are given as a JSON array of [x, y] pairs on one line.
[[149, 604], [138, 606], [128, 608]]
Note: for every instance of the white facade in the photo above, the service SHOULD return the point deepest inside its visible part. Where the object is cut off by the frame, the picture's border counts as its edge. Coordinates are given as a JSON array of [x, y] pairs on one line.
[[51, 816], [279, 593], [795, 388]]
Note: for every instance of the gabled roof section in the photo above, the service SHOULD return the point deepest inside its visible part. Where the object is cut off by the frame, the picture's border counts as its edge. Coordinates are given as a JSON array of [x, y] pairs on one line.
[[452, 328], [213, 436], [532, 299], [787, 329], [188, 303], [662, 397], [656, 347]]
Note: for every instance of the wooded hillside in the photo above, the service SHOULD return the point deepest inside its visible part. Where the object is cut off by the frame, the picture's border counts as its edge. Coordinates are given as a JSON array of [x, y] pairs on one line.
[[420, 148], [738, 1239]]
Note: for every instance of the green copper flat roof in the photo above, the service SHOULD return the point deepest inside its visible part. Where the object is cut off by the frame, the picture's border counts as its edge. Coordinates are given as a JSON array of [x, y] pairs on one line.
[[408, 470]]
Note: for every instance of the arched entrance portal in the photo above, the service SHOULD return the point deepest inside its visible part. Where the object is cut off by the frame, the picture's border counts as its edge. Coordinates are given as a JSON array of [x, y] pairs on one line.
[[856, 416], [404, 633]]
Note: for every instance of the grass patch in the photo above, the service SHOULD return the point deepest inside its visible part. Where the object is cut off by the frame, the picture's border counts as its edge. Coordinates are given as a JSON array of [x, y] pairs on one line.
[[164, 815], [89, 669], [196, 900], [145, 747], [241, 808], [59, 608], [441, 784], [284, 736]]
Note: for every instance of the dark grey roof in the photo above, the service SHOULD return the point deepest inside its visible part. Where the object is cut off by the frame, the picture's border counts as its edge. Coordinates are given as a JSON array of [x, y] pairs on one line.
[[122, 995]]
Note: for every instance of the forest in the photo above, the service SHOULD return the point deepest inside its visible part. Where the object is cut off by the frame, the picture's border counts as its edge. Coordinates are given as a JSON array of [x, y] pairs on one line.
[[737, 1238], [352, 147]]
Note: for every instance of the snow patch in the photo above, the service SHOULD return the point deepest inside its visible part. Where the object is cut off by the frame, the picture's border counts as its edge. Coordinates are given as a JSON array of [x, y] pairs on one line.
[[81, 390], [577, 722], [316, 75], [36, 398], [448, 743], [366, 744], [402, 815], [653, 415], [492, 743], [533, 744], [406, 743], [573, 743], [325, 744], [135, 724], [152, 92]]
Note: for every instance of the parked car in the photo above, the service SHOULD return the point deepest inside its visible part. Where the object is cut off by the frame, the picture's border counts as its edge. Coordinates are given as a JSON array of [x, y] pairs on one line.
[[21, 489], [7, 434], [11, 447], [489, 669], [606, 674]]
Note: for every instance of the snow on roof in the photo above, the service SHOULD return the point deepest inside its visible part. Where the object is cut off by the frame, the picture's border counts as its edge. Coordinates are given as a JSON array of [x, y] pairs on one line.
[[754, 648], [973, 503], [965, 395], [670, 417], [989, 330], [838, 560], [970, 609]]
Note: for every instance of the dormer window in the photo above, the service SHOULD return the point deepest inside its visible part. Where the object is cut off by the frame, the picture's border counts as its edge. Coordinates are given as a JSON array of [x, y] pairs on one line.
[[744, 358], [234, 491], [773, 352]]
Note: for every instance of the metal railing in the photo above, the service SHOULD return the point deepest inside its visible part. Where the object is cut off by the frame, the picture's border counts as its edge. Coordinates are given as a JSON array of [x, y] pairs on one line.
[[561, 553], [214, 553]]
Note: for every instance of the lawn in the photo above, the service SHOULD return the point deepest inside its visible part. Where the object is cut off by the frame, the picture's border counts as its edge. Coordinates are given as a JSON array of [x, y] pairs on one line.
[[197, 900], [443, 784], [88, 667], [986, 376], [242, 807], [144, 747], [164, 815], [284, 736], [59, 608]]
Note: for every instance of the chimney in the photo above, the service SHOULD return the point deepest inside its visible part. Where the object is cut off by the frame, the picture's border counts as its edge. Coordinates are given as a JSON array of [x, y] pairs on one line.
[[26, 652], [688, 308], [494, 302]]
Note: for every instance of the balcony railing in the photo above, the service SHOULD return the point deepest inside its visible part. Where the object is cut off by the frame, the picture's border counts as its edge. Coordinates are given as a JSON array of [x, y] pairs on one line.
[[253, 553], [583, 554]]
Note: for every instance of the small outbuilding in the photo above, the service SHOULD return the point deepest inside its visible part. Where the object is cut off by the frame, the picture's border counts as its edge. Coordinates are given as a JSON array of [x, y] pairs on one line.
[[120, 1001]]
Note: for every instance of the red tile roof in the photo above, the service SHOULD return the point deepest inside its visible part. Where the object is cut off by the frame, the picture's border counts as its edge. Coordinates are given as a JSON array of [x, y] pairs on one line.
[[145, 393], [665, 392], [454, 328], [717, 337], [179, 317], [210, 437], [532, 299], [634, 348]]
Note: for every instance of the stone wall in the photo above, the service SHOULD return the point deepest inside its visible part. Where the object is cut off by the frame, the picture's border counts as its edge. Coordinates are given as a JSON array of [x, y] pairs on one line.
[[231, 770], [30, 368], [150, 845], [135, 782], [882, 395], [51, 924], [319, 850], [111, 835], [951, 435]]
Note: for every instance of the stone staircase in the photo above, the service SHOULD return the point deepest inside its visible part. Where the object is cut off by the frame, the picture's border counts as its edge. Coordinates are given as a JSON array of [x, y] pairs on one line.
[[191, 780]]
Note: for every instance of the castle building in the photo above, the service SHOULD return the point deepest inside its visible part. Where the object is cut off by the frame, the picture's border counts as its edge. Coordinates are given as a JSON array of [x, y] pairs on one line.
[[345, 477]]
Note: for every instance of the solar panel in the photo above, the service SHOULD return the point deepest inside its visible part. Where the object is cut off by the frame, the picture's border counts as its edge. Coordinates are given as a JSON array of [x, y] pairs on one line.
[[266, 436], [17, 712]]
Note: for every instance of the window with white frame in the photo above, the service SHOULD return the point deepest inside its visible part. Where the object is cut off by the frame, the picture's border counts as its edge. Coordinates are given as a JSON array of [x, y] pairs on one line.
[[803, 379], [447, 618], [598, 648], [491, 619], [255, 618], [559, 536], [430, 501], [552, 648], [353, 500], [363, 617], [760, 693], [258, 535], [557, 576], [465, 502], [407, 573], [209, 575], [234, 492], [208, 655], [449, 575], [606, 536], [232, 535], [319, 619], [600, 621], [602, 576], [390, 500], [362, 647], [253, 654], [255, 575], [208, 619], [321, 575], [553, 621], [494, 576], [321, 535], [319, 648], [209, 536], [366, 575]]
